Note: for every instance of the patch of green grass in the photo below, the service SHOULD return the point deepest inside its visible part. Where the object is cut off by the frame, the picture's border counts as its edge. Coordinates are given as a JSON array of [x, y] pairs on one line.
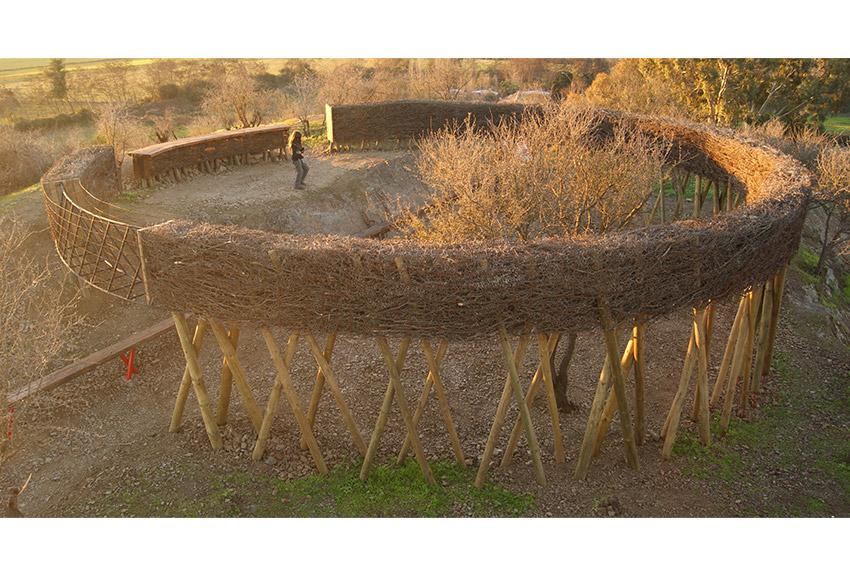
[[805, 263], [837, 124], [390, 491], [753, 453]]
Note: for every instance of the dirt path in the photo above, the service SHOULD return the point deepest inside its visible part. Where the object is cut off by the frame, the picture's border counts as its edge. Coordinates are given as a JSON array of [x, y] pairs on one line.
[[101, 434]]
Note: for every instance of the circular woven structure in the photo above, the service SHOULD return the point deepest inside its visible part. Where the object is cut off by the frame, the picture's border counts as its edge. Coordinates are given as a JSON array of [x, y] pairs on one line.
[[352, 286]]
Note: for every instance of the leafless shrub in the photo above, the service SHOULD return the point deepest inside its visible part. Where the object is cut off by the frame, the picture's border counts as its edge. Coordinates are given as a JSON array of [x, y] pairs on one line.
[[548, 176], [116, 127], [35, 315], [25, 156], [833, 180]]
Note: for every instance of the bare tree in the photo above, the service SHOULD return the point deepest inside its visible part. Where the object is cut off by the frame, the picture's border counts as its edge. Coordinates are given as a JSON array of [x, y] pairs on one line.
[[236, 99], [35, 315], [303, 98], [549, 176], [833, 197]]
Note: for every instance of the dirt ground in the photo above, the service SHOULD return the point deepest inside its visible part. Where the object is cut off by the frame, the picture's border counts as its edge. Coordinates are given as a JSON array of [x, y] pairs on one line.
[[100, 432]]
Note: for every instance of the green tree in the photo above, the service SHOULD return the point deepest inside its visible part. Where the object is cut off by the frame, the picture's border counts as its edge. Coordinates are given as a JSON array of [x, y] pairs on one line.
[[57, 73]]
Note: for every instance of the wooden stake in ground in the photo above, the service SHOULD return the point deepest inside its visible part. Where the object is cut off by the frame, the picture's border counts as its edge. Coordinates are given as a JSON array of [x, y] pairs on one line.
[[530, 395], [778, 288], [330, 378], [640, 382], [626, 364], [318, 387], [523, 409], [242, 386], [183, 392], [434, 376], [197, 380], [226, 382], [501, 412], [282, 364]]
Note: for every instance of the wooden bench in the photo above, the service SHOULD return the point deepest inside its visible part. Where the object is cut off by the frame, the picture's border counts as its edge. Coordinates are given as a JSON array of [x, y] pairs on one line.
[[207, 150]]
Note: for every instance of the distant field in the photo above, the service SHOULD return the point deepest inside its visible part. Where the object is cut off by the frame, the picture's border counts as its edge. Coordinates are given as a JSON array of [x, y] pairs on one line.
[[17, 69], [838, 123]]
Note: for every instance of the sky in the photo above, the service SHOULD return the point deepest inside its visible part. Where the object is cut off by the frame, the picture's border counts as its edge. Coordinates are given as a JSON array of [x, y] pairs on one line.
[[436, 28]]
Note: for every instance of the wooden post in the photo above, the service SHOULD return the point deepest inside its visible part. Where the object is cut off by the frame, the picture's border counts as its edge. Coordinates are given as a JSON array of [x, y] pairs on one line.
[[197, 380], [395, 379], [620, 391], [238, 375], [501, 412], [318, 387], [727, 354], [523, 409], [697, 196], [702, 377], [384, 413], [593, 419], [626, 363], [755, 306], [778, 288], [529, 399], [545, 351], [737, 363], [639, 335], [423, 400], [282, 364], [183, 392], [330, 378], [226, 382], [763, 332]]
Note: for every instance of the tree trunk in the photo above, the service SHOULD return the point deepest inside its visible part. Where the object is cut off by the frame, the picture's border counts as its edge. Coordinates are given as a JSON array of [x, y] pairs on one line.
[[824, 253], [562, 374]]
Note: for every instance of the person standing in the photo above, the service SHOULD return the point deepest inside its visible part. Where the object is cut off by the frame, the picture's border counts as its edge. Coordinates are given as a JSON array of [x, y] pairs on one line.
[[296, 150]]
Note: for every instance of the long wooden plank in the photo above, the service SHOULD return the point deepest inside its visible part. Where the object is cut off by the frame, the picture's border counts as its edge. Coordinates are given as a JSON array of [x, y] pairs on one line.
[[63, 375]]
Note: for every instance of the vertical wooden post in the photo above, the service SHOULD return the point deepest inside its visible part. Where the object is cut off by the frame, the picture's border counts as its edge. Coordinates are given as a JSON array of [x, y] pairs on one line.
[[197, 380], [763, 331], [639, 336], [755, 306], [778, 288], [626, 363], [593, 419], [702, 376], [737, 362]]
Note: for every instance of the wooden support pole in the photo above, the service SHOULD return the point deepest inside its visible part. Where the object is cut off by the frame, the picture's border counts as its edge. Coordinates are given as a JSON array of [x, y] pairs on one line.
[[330, 378], [318, 386], [501, 412], [523, 409], [671, 426], [727, 354], [372, 449], [395, 379], [620, 391], [197, 380], [183, 392], [737, 363], [434, 367], [242, 386], [529, 399], [702, 377], [755, 306], [282, 364], [763, 332], [778, 288], [593, 419], [639, 335], [626, 363], [697, 197], [423, 400], [226, 382], [545, 351]]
